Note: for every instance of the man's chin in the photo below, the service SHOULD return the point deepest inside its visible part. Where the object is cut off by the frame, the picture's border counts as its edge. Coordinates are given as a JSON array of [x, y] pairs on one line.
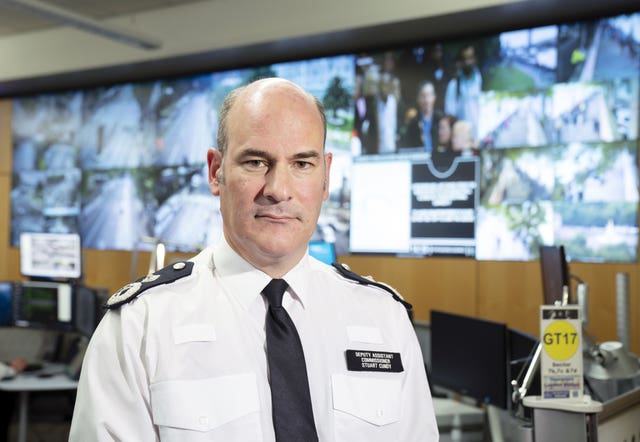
[[278, 250]]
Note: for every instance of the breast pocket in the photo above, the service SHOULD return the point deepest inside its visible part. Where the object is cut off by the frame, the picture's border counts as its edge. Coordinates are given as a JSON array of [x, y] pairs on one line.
[[365, 408], [214, 409]]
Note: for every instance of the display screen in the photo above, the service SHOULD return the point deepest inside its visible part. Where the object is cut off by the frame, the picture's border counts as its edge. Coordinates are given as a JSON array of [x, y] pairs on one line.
[[522, 347], [469, 356], [555, 274], [44, 304], [433, 206], [484, 146], [50, 255], [323, 251], [6, 304], [121, 163], [550, 113]]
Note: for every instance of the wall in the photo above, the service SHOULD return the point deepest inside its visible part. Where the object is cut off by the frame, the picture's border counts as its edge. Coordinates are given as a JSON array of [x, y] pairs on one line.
[[502, 291]]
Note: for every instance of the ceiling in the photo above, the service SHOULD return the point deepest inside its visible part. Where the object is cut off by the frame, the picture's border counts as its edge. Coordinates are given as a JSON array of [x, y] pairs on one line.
[[15, 19]]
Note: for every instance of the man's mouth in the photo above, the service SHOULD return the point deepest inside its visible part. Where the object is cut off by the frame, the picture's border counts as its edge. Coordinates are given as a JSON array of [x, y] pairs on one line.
[[275, 217]]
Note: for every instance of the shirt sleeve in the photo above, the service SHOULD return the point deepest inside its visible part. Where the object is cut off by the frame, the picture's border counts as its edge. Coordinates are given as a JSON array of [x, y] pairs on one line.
[[112, 403]]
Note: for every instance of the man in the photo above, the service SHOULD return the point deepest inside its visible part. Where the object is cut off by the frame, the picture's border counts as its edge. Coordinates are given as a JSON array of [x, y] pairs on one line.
[[438, 73], [462, 98], [186, 354], [422, 128]]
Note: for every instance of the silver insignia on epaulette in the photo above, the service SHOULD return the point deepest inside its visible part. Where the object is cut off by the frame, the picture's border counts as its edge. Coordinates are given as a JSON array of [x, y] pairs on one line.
[[149, 278], [124, 293]]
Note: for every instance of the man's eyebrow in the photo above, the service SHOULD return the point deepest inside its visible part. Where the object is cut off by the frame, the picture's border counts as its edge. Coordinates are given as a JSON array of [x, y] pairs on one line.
[[252, 152], [306, 154]]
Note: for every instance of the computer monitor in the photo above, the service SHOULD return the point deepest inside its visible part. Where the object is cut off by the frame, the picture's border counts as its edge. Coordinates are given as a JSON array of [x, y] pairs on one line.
[[521, 344], [522, 347], [469, 356], [555, 273], [50, 255], [43, 304], [6, 304], [323, 251], [88, 308]]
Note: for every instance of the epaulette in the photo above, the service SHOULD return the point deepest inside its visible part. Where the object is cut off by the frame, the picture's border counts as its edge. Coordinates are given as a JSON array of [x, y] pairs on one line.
[[166, 275], [345, 271]]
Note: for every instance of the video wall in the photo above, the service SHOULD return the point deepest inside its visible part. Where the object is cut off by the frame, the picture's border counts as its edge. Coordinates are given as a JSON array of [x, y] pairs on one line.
[[484, 147]]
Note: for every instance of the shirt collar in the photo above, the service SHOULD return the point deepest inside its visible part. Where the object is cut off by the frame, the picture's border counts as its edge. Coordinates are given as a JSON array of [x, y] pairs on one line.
[[245, 282], [299, 282]]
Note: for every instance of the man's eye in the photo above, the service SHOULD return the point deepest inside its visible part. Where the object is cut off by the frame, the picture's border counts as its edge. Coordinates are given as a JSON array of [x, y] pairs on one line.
[[254, 164], [303, 164]]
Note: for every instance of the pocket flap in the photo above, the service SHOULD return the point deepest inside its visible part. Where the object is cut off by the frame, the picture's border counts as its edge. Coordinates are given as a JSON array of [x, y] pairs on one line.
[[374, 400], [204, 404], [194, 333], [370, 335]]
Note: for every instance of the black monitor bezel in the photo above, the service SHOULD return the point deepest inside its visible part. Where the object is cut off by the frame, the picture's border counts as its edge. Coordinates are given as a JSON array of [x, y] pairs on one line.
[[458, 373], [19, 319], [554, 270]]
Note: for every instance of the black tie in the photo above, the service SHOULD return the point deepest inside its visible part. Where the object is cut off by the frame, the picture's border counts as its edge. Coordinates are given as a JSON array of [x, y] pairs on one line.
[[290, 398]]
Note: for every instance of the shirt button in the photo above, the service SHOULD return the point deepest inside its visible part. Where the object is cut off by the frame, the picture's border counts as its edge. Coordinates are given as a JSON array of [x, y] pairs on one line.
[[179, 266], [380, 413], [204, 421]]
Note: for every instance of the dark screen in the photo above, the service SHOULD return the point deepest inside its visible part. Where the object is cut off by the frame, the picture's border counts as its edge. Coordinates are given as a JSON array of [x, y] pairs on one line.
[[87, 308], [555, 274], [38, 305], [521, 344], [522, 347], [6, 304], [469, 356]]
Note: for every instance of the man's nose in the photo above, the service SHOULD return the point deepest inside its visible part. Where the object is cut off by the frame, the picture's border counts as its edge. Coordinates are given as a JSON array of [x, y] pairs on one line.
[[278, 183]]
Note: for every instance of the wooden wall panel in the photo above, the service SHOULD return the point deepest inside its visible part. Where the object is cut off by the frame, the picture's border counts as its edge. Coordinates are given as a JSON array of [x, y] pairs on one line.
[[602, 311], [510, 292], [112, 269], [5, 137], [4, 227], [443, 284], [6, 270]]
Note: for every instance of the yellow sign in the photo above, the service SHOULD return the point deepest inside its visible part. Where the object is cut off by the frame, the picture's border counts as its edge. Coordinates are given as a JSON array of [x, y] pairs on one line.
[[561, 357], [560, 340]]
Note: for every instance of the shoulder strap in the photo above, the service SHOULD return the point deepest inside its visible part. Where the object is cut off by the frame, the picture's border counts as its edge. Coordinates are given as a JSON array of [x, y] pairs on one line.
[[166, 275], [345, 271]]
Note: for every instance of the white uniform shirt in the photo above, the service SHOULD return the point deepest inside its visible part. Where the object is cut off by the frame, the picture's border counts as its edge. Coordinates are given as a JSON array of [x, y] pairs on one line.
[[186, 361]]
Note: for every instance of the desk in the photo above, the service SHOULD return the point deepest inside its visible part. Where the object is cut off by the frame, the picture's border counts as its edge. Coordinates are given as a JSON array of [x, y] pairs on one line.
[[27, 382], [470, 419]]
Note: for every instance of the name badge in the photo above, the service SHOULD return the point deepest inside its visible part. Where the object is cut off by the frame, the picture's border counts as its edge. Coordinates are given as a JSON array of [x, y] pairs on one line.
[[370, 360]]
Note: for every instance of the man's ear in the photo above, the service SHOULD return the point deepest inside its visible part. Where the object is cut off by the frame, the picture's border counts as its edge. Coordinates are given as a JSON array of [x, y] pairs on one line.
[[214, 162], [327, 169]]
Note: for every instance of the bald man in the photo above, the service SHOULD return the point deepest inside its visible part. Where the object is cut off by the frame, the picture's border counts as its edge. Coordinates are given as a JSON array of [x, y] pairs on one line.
[[185, 354]]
